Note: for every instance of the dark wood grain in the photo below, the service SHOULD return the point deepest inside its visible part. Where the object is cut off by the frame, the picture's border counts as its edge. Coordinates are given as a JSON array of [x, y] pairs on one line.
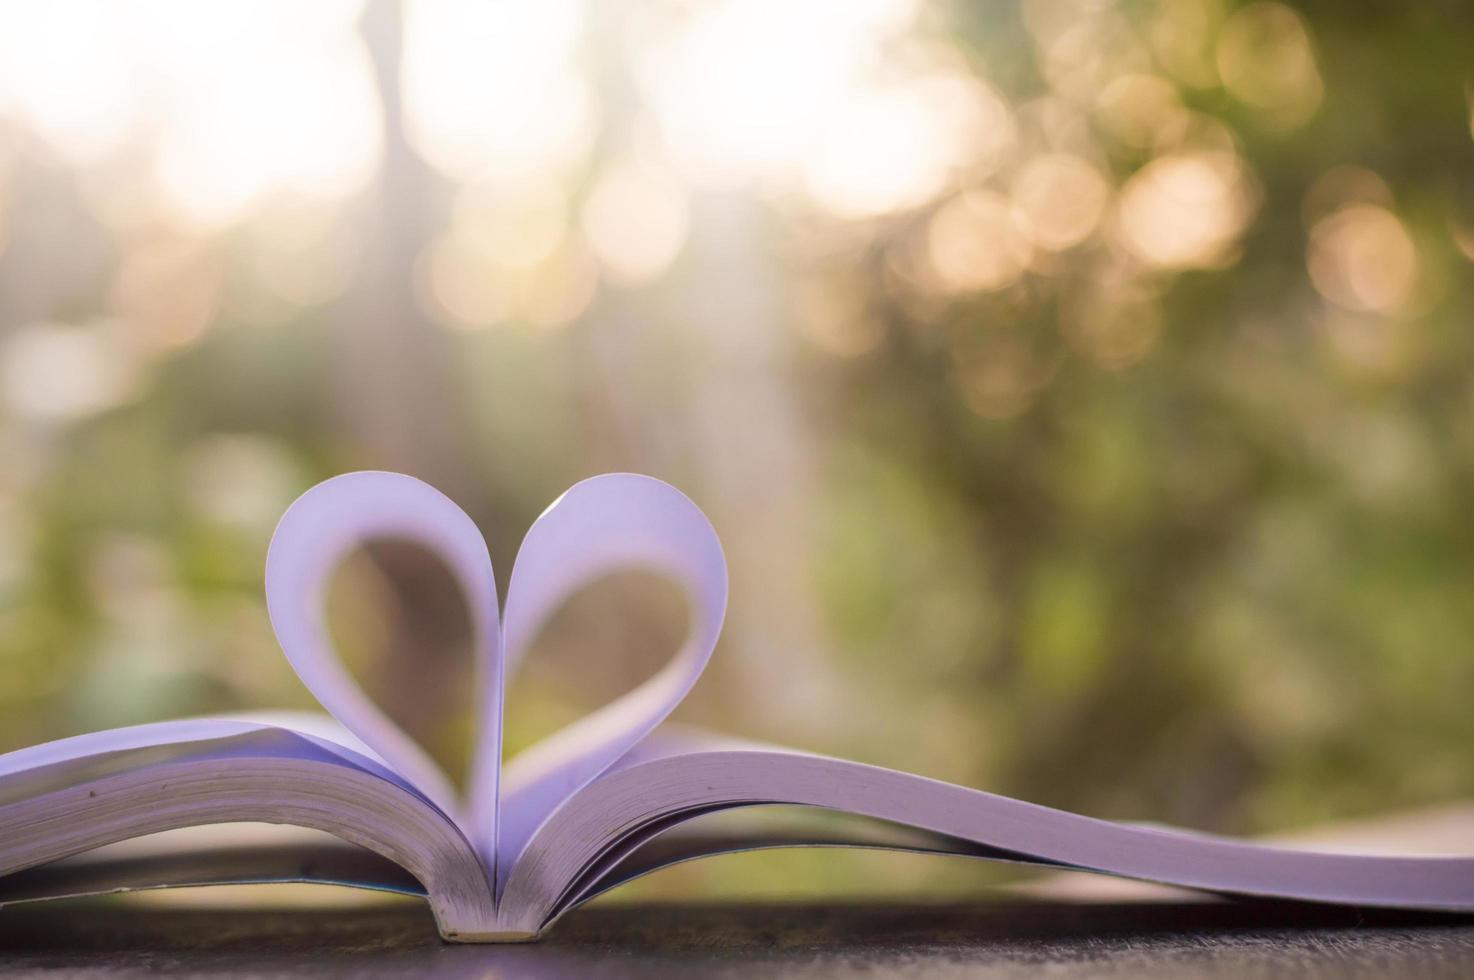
[[998, 939]]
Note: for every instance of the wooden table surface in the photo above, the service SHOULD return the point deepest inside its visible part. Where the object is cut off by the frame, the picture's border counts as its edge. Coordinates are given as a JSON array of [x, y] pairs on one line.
[[1007, 938]]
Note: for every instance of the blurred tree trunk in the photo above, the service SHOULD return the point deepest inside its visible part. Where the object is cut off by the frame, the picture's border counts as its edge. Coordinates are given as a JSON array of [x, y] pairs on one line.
[[392, 390], [393, 400], [751, 439]]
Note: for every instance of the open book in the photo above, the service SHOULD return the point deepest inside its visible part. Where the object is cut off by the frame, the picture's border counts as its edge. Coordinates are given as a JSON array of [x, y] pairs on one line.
[[609, 798]]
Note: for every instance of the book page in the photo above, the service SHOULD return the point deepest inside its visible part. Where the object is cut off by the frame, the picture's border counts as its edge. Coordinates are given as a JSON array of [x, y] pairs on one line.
[[263, 775], [634, 803], [605, 524], [317, 532], [601, 525]]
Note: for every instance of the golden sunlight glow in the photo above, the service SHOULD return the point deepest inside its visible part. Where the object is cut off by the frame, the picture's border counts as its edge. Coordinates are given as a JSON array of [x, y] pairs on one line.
[[464, 290], [1266, 61], [1063, 197], [492, 87], [239, 104], [561, 290], [298, 117], [1181, 36], [512, 225], [635, 220], [457, 288], [979, 241], [1143, 111], [165, 293], [1082, 54], [740, 85], [1362, 258], [1185, 210], [241, 101], [894, 147], [772, 90], [64, 73]]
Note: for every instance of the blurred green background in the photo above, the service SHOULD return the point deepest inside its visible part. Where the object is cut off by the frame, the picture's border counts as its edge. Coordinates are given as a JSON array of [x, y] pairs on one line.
[[1082, 389]]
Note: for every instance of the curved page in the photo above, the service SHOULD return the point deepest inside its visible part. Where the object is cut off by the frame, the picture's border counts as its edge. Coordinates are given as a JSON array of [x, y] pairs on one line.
[[595, 829]]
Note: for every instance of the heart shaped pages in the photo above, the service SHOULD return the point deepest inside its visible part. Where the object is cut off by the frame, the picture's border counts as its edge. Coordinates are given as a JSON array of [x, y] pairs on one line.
[[607, 523]]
